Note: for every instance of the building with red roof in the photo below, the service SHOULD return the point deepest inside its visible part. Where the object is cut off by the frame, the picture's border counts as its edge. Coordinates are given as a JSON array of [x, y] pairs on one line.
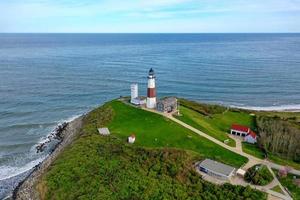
[[239, 130], [243, 131]]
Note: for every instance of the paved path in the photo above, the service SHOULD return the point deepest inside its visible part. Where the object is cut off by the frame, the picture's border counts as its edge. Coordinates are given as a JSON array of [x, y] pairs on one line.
[[238, 142], [238, 149]]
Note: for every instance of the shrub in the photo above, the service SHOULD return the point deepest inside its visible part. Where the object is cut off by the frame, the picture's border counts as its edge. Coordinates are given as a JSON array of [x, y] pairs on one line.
[[258, 175]]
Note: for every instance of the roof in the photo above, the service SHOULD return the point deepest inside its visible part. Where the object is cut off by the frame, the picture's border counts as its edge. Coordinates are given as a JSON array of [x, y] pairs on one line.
[[241, 171], [168, 100], [103, 131], [217, 167], [140, 98], [252, 134], [240, 128], [151, 72]]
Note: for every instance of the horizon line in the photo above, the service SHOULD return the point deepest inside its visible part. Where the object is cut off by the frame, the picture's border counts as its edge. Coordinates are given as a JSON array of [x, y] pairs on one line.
[[149, 32]]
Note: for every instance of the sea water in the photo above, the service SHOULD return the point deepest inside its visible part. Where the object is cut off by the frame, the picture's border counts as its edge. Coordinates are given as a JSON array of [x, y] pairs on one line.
[[46, 79]]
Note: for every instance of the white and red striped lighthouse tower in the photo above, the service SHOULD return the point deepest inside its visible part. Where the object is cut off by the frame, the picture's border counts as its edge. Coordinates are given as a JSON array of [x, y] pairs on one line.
[[151, 93]]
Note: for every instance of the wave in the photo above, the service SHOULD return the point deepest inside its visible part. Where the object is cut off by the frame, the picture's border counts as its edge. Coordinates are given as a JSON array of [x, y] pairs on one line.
[[48, 137], [7, 172], [287, 108]]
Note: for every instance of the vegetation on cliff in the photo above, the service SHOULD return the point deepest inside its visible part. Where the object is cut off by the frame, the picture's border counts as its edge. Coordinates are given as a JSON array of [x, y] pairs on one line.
[[279, 137], [99, 167]]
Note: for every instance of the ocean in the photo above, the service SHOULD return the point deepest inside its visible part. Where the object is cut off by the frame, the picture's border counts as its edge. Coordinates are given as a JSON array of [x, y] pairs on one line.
[[46, 79]]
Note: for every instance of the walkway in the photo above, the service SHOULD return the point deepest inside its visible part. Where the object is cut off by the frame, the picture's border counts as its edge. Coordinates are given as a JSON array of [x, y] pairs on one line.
[[238, 149]]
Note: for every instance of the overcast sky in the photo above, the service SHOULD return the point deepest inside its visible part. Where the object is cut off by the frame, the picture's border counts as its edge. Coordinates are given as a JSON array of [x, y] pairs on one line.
[[149, 16]]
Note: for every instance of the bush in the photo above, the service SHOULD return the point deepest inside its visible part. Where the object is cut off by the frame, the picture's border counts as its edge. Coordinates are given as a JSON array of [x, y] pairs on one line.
[[205, 109], [258, 175]]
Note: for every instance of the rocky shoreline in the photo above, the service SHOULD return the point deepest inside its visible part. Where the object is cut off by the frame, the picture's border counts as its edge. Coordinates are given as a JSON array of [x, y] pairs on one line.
[[67, 132]]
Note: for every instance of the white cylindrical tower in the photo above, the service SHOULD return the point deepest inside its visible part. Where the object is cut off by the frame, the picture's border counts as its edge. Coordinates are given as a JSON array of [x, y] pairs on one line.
[[151, 93], [134, 91]]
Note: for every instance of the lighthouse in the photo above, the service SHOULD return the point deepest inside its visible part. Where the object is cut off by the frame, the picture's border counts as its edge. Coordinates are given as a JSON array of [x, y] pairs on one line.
[[151, 93]]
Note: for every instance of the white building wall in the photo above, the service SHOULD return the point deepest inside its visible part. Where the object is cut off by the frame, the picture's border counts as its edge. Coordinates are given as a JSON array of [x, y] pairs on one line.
[[151, 83], [134, 91], [151, 102], [250, 139], [240, 133], [131, 139]]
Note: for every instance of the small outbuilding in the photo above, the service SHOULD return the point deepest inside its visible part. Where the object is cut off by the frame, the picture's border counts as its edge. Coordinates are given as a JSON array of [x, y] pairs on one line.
[[138, 101], [241, 172], [103, 131], [244, 131], [131, 139], [239, 130], [216, 169], [168, 105]]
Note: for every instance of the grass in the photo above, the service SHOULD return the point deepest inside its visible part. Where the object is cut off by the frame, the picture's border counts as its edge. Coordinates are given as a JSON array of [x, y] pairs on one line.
[[107, 167], [253, 150], [288, 182], [282, 161], [293, 117], [215, 123], [277, 189], [153, 130]]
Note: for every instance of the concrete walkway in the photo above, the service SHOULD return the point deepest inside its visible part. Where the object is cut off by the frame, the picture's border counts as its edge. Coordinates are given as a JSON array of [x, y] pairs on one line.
[[238, 142], [238, 149]]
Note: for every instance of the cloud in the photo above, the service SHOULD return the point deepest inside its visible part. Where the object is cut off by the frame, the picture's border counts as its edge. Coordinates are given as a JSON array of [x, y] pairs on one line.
[[17, 15]]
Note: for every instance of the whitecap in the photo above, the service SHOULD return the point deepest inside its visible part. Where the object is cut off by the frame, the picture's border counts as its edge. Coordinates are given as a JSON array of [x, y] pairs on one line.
[[7, 172], [290, 108]]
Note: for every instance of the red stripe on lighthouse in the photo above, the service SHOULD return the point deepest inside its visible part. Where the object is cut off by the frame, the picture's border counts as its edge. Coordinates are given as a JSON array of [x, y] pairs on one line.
[[151, 92]]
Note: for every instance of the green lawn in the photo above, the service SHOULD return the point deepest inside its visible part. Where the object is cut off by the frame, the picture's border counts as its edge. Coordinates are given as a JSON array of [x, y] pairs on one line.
[[252, 149], [216, 125], [289, 184], [282, 161], [153, 130], [277, 189], [216, 121]]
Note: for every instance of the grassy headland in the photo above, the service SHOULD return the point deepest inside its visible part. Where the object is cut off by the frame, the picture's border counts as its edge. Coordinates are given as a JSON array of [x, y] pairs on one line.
[[153, 130], [97, 167], [213, 119], [279, 130]]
